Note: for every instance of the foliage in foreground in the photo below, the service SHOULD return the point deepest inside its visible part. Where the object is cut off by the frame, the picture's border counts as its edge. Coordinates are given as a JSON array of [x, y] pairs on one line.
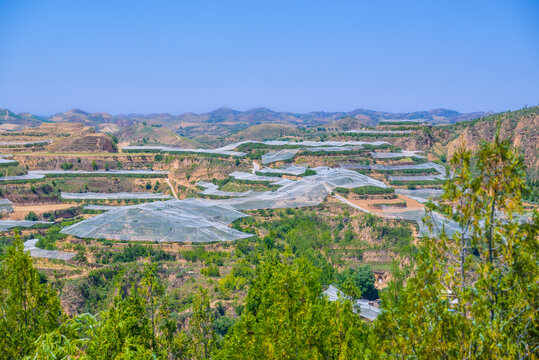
[[285, 317], [474, 294], [28, 307]]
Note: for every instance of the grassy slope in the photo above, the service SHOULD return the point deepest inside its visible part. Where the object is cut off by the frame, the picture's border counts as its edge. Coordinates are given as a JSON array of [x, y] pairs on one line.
[[264, 132]]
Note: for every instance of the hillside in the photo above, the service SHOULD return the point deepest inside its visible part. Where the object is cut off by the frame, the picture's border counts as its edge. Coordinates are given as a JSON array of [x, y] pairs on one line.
[[144, 134], [90, 119], [26, 119], [521, 126], [264, 132], [79, 116], [349, 123], [84, 143]]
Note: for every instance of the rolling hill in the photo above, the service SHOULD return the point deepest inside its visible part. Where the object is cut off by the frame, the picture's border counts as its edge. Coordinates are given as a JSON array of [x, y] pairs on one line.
[[230, 120], [139, 134], [26, 119], [264, 132]]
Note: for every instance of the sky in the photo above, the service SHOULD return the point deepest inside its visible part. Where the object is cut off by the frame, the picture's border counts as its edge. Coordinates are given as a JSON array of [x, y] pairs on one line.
[[294, 55]]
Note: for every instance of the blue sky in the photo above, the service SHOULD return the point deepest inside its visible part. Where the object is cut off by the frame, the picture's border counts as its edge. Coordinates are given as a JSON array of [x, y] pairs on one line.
[[178, 56]]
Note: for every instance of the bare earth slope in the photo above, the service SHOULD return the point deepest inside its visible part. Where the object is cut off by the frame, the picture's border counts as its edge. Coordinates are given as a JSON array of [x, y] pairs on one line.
[[84, 143], [521, 126]]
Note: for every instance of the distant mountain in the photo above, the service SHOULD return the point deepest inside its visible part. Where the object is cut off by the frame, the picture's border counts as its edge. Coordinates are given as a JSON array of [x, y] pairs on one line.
[[264, 115], [26, 119], [251, 117], [80, 116], [219, 123]]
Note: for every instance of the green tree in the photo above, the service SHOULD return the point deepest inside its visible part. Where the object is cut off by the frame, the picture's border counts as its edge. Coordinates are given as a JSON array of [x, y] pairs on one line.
[[32, 216], [125, 331], [362, 278], [474, 294], [28, 307], [285, 317], [66, 166], [68, 341], [151, 290], [201, 327]]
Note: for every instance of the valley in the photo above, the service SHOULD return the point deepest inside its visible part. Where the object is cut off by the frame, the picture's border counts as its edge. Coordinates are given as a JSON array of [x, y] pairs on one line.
[[95, 204]]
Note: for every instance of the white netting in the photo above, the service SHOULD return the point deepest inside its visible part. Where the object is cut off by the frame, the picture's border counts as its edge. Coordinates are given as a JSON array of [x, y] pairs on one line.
[[416, 177], [30, 245], [117, 196], [389, 155], [417, 215], [197, 220], [421, 195], [280, 155], [6, 206], [169, 149], [239, 175], [424, 166], [10, 224], [442, 173], [307, 191], [141, 172], [438, 220], [289, 170], [229, 149], [381, 131], [40, 174], [191, 220], [27, 177], [22, 143], [334, 148]]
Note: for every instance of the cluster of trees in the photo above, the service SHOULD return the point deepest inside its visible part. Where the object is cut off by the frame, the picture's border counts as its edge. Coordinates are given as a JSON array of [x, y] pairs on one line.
[[472, 295], [284, 300], [132, 252]]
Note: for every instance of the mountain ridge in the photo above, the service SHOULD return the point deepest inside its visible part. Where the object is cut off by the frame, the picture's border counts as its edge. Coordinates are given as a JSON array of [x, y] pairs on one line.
[[250, 116]]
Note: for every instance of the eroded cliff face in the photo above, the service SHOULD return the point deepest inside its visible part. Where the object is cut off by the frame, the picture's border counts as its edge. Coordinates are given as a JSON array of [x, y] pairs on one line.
[[523, 133]]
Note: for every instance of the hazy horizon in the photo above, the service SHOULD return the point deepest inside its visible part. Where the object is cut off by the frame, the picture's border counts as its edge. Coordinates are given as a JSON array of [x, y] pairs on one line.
[[245, 110]]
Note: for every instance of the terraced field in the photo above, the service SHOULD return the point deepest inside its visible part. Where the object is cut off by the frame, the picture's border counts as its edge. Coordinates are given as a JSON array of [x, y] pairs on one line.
[[362, 191]]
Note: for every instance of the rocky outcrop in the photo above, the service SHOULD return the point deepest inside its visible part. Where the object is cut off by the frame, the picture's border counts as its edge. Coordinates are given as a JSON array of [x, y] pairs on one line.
[[521, 127]]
